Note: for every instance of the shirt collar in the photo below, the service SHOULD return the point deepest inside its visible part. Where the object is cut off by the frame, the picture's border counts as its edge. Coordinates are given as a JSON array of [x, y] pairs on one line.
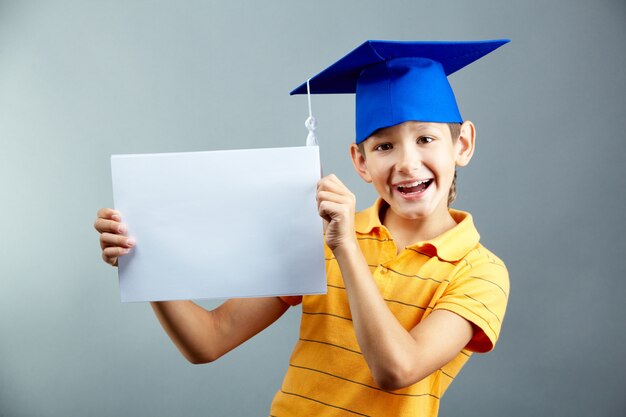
[[450, 246]]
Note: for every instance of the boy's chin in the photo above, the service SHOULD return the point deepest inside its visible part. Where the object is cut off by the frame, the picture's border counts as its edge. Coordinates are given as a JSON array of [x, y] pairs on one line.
[[419, 212], [409, 214]]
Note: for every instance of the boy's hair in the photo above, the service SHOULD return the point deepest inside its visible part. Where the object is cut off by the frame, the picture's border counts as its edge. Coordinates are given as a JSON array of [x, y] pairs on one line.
[[455, 132]]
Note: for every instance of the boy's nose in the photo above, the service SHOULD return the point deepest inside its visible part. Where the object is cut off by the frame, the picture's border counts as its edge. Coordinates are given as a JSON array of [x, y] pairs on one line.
[[408, 161]]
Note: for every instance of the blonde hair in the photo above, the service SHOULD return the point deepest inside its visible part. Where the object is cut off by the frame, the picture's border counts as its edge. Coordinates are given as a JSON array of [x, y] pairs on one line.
[[455, 132]]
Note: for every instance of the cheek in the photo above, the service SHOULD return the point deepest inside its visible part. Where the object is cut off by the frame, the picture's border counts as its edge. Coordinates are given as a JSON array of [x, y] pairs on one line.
[[444, 166], [379, 179], [377, 170]]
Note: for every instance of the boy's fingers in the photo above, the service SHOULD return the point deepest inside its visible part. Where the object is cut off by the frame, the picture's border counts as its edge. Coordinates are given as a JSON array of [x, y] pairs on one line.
[[111, 240], [110, 226], [110, 255], [334, 185], [334, 197], [330, 179], [330, 210], [333, 178], [109, 213]]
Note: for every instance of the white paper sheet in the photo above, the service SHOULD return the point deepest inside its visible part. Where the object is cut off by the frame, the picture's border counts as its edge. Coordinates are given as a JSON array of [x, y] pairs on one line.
[[220, 224]]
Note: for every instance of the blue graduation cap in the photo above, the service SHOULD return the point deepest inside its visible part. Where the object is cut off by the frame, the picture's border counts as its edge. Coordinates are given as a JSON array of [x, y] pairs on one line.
[[397, 81]]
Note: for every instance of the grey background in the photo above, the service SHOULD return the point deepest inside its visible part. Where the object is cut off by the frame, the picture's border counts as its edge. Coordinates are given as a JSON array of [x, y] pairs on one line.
[[81, 80]]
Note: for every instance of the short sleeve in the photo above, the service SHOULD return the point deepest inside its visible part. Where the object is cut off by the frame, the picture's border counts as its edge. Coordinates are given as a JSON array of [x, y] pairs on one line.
[[480, 295], [292, 300]]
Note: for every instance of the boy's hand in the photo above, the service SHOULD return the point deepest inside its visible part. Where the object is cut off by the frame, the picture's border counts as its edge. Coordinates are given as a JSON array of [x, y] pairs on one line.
[[113, 240], [336, 205]]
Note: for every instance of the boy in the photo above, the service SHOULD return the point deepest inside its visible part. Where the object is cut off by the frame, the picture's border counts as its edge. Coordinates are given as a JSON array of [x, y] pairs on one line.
[[411, 292]]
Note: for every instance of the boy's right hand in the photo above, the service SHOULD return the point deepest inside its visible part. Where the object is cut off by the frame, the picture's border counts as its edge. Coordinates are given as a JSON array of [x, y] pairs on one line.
[[113, 240]]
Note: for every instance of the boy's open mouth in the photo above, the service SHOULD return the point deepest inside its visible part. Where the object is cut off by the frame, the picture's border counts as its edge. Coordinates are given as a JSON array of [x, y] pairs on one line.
[[414, 187]]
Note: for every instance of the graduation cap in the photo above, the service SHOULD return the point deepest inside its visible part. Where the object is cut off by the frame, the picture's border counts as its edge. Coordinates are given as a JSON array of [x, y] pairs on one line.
[[397, 81]]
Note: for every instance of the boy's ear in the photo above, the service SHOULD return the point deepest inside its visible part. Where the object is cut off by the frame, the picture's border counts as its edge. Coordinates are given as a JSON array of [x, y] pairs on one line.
[[465, 144], [358, 160]]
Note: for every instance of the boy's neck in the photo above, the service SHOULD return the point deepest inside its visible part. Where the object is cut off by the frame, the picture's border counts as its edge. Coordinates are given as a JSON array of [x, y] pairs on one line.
[[406, 232]]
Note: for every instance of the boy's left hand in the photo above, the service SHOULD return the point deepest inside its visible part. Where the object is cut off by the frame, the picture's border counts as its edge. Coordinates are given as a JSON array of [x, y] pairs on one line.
[[336, 205]]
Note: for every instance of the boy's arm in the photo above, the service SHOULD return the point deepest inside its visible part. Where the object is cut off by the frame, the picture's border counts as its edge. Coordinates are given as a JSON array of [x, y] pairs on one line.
[[396, 357], [200, 335], [203, 336]]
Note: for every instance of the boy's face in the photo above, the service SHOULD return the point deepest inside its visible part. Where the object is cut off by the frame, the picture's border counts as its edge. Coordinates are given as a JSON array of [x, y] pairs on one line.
[[412, 165]]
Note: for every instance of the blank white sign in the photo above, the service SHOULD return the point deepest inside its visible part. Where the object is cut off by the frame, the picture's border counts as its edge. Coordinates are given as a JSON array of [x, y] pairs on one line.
[[221, 224]]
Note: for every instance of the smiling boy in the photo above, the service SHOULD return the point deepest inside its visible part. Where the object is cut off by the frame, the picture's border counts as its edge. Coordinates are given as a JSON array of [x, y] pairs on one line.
[[411, 291]]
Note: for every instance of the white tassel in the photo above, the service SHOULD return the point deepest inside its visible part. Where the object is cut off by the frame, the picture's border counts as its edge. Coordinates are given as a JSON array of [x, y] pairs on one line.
[[310, 123]]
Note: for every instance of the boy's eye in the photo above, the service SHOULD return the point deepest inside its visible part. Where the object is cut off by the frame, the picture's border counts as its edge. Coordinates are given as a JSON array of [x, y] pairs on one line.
[[383, 147], [425, 139]]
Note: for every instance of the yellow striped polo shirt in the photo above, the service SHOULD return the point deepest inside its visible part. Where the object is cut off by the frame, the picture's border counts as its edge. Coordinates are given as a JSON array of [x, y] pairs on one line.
[[328, 375]]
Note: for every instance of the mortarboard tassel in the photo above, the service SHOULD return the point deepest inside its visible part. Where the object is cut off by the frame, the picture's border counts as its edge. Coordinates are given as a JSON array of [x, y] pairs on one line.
[[310, 123]]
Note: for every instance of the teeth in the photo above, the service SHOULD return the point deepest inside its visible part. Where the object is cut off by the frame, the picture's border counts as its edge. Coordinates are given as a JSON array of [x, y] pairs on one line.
[[413, 184]]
